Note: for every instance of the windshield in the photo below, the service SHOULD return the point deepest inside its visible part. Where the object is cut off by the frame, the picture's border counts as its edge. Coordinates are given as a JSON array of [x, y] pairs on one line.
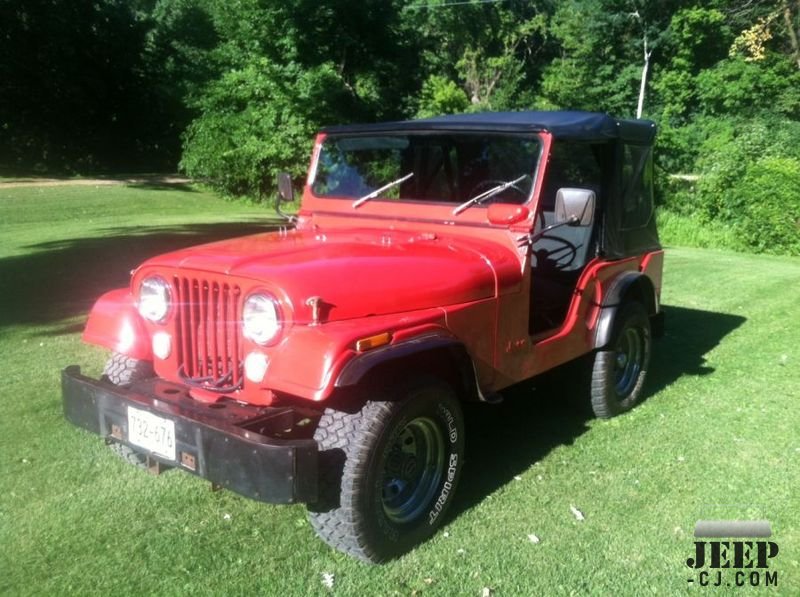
[[451, 167]]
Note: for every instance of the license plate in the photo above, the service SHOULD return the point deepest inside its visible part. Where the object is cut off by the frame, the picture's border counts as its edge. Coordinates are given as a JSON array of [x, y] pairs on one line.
[[152, 433]]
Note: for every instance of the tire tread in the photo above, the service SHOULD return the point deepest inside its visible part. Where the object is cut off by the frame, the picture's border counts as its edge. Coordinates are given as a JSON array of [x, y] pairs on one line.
[[349, 444], [122, 370], [605, 403]]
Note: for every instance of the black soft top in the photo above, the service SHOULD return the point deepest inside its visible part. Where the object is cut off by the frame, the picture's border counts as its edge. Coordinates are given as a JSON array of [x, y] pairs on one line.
[[574, 125]]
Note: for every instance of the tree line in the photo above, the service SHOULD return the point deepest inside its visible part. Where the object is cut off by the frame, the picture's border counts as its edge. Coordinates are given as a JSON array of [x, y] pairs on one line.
[[231, 91]]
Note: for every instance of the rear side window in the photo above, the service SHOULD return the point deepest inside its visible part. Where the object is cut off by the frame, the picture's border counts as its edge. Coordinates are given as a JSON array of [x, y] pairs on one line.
[[637, 186], [573, 165]]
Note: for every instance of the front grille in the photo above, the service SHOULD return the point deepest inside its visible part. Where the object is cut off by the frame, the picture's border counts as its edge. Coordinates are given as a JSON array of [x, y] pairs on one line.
[[207, 333]]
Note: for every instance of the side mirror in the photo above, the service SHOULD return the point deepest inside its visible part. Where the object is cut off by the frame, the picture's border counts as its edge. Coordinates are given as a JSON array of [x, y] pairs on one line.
[[575, 207], [285, 188]]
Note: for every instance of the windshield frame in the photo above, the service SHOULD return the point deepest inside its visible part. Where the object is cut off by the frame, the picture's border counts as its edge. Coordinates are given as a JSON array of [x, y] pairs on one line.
[[325, 137]]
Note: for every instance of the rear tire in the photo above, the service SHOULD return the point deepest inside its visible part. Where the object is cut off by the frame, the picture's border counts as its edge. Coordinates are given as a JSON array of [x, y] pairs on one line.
[[122, 370], [619, 370], [388, 472]]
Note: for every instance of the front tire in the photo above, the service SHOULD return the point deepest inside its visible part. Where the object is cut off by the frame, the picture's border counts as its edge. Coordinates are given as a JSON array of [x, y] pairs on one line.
[[122, 370], [388, 472], [620, 369]]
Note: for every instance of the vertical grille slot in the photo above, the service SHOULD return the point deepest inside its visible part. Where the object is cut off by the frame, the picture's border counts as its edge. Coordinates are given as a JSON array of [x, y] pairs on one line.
[[207, 330]]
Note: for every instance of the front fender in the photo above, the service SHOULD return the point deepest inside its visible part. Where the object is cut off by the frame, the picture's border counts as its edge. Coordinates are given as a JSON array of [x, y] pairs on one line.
[[114, 323], [433, 352], [309, 361]]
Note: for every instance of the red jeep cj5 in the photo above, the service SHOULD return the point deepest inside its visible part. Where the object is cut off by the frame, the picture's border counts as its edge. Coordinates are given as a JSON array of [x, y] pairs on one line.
[[433, 262]]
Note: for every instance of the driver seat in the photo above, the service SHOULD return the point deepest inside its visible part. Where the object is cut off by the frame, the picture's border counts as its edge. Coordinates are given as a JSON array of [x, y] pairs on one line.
[[557, 261]]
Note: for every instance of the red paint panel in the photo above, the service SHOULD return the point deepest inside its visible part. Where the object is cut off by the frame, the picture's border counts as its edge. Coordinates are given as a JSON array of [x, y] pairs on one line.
[[653, 267], [358, 273], [115, 324], [573, 339], [475, 325], [306, 362]]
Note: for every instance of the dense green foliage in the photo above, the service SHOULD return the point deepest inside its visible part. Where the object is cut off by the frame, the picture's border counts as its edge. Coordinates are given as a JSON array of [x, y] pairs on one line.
[[239, 149], [92, 86], [285, 68], [233, 91], [749, 185]]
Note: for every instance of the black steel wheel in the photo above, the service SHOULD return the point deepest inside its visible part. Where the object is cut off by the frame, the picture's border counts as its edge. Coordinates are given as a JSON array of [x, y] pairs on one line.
[[413, 470], [388, 472], [122, 370], [620, 369]]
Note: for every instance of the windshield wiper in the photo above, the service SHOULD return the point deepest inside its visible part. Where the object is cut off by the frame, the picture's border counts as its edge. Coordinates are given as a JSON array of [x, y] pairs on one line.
[[487, 194], [385, 187]]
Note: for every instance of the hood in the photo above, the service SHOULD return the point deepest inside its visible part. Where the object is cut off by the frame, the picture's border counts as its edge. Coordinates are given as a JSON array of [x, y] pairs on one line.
[[356, 273]]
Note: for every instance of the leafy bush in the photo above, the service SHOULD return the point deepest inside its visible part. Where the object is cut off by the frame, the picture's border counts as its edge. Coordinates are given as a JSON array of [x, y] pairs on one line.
[[770, 194], [679, 146], [728, 155], [440, 95], [735, 86], [749, 181], [676, 193], [257, 121]]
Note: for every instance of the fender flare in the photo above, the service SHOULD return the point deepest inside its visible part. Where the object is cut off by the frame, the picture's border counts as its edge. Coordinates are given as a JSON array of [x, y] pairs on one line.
[[431, 352], [621, 287], [115, 323]]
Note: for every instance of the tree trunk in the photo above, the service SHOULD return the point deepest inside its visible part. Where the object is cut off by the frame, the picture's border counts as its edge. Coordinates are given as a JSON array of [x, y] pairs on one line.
[[787, 16], [645, 68]]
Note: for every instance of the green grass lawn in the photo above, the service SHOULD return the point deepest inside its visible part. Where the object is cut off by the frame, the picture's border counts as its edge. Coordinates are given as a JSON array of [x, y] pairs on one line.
[[718, 437]]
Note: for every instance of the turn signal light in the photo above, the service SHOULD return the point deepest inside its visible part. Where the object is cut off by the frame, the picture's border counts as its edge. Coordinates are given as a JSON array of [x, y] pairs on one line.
[[255, 367], [373, 342], [162, 345]]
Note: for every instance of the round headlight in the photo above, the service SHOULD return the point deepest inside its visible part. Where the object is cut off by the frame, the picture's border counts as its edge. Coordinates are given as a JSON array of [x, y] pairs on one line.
[[154, 299], [260, 320]]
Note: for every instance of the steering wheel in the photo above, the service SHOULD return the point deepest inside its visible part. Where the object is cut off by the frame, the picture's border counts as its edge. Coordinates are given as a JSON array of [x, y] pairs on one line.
[[485, 185], [565, 253]]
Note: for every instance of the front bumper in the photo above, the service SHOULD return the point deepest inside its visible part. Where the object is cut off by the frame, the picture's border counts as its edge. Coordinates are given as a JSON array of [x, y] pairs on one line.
[[230, 444]]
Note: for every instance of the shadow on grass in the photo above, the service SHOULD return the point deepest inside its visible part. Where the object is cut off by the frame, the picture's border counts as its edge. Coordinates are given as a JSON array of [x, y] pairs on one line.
[[690, 334], [28, 176], [161, 185], [553, 409], [62, 279]]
